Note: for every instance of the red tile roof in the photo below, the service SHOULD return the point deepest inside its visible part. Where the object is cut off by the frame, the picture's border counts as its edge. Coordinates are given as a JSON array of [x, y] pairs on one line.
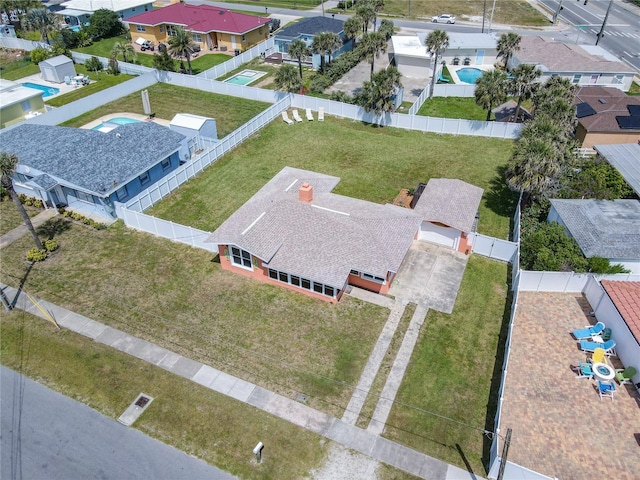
[[200, 18], [626, 298]]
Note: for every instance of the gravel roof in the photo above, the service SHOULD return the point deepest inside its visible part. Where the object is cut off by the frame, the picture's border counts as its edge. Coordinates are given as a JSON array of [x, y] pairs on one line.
[[322, 240], [94, 161], [602, 228], [450, 201]]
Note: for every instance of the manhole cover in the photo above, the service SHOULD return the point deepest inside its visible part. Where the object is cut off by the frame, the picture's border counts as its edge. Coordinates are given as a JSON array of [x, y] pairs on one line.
[[142, 401]]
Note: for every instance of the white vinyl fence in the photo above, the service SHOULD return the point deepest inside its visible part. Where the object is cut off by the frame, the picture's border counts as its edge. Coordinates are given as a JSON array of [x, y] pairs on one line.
[[424, 95], [493, 247], [22, 44], [166, 229], [168, 184], [565, 282], [124, 67], [267, 48], [457, 90]]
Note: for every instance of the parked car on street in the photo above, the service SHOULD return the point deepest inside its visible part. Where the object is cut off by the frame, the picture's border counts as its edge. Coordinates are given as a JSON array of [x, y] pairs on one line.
[[444, 18]]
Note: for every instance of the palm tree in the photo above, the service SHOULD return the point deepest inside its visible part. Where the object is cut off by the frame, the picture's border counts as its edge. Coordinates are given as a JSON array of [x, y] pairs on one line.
[[491, 89], [124, 49], [523, 84], [8, 163], [373, 44], [377, 6], [300, 51], [352, 28], [287, 79], [387, 28], [508, 43], [181, 45], [325, 44], [42, 20], [377, 95], [437, 41], [366, 14]]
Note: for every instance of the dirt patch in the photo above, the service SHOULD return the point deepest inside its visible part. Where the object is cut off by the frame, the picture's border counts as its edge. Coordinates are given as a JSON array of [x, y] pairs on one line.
[[8, 56], [345, 464]]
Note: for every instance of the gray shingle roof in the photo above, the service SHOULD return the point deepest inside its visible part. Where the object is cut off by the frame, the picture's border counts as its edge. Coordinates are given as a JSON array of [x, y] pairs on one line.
[[322, 240], [44, 181], [602, 228], [450, 201], [57, 60], [93, 161], [311, 26], [626, 159]]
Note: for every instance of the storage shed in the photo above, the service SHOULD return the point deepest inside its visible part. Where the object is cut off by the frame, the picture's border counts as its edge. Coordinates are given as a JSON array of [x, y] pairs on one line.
[[191, 125], [56, 68]]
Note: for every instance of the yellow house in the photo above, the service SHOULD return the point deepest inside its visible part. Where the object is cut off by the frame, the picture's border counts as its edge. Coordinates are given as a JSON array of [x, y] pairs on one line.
[[18, 103], [212, 28]]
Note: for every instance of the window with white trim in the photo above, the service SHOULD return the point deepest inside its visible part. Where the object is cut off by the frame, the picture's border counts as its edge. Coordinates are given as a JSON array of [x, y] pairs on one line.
[[196, 37], [161, 28], [241, 258], [140, 28], [122, 193], [372, 278], [576, 78], [244, 38], [144, 178], [303, 283], [166, 163], [84, 197], [171, 30]]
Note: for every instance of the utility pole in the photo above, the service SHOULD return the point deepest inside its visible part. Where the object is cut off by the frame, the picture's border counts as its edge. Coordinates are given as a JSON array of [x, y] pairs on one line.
[[604, 23], [322, 7], [557, 12], [484, 14], [505, 451], [493, 9], [409, 14]]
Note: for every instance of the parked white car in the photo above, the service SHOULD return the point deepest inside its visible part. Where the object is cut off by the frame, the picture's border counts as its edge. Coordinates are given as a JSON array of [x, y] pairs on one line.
[[444, 18]]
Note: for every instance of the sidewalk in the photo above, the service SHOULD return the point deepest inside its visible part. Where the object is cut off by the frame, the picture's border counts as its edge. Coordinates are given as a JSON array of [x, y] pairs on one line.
[[13, 235], [355, 438]]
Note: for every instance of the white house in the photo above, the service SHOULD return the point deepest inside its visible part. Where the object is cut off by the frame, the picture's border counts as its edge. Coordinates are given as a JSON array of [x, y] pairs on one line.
[[77, 12]]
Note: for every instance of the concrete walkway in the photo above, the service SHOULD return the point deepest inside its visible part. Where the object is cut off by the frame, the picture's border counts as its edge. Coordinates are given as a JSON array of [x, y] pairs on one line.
[[13, 235], [355, 438]]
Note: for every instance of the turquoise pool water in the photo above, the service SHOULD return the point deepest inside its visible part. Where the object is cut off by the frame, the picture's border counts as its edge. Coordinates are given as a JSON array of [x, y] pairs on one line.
[[245, 77], [117, 121], [469, 75], [46, 91]]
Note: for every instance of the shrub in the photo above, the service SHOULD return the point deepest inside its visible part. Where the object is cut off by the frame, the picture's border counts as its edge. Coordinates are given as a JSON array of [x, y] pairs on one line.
[[38, 203], [39, 54], [50, 245], [23, 198], [36, 255], [94, 64], [602, 265]]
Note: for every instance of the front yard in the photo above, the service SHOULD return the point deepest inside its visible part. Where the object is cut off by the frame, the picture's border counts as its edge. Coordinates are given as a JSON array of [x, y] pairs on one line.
[[10, 217]]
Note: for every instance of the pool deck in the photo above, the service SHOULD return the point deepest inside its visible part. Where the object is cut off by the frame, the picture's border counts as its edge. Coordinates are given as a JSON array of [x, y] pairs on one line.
[[258, 74], [135, 116], [36, 78]]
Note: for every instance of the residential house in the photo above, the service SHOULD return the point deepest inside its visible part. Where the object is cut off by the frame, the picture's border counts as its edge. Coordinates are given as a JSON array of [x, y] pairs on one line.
[[413, 59], [606, 115], [212, 28], [626, 159], [305, 30], [294, 232], [77, 12], [602, 228], [89, 170], [582, 64], [18, 103]]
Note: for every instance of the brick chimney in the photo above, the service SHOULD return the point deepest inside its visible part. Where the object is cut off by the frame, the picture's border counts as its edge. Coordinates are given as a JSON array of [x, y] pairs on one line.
[[306, 193]]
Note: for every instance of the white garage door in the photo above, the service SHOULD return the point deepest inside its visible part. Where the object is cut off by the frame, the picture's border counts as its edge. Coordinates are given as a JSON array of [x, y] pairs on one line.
[[441, 235]]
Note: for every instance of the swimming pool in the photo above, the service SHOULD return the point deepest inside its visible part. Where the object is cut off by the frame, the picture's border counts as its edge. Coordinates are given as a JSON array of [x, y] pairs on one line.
[[112, 123], [245, 77], [47, 91], [469, 75]]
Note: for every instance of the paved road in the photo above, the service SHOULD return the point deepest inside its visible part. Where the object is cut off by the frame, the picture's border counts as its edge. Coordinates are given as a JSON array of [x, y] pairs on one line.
[[45, 435]]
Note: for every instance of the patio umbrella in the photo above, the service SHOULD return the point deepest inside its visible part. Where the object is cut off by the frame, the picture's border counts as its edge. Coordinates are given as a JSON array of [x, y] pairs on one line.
[[146, 104]]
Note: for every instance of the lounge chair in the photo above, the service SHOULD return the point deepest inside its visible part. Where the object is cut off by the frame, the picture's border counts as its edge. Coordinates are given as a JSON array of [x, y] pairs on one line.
[[588, 332], [296, 115], [608, 347], [606, 335], [443, 79], [584, 370], [624, 375], [321, 114], [606, 390], [598, 356], [309, 115], [286, 118]]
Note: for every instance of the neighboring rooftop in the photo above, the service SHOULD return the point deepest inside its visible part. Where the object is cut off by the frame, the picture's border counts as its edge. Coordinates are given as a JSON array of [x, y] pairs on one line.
[[321, 240], [93, 161], [200, 18], [311, 26], [607, 105], [602, 228], [12, 93], [409, 46], [553, 56], [451, 202], [113, 5], [464, 41], [626, 297], [626, 159]]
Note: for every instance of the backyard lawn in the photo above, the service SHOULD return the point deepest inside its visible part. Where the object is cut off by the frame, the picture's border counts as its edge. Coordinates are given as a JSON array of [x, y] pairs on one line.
[[373, 163], [167, 100], [453, 107], [102, 81], [16, 69], [452, 369], [180, 297]]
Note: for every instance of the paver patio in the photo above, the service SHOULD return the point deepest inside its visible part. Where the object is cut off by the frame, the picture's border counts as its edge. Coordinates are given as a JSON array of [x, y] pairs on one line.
[[560, 426]]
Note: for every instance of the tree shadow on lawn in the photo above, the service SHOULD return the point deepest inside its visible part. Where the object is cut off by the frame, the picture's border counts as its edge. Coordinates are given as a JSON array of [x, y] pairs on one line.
[[54, 226], [500, 199], [496, 377]]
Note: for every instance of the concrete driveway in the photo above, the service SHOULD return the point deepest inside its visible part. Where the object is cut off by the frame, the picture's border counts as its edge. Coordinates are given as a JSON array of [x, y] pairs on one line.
[[430, 276]]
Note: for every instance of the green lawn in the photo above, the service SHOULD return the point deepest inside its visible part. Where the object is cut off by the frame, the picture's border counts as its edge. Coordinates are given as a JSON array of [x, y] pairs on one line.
[[18, 69], [102, 81], [167, 100], [452, 372], [180, 298], [10, 218], [288, 4], [373, 163], [635, 88], [453, 107]]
